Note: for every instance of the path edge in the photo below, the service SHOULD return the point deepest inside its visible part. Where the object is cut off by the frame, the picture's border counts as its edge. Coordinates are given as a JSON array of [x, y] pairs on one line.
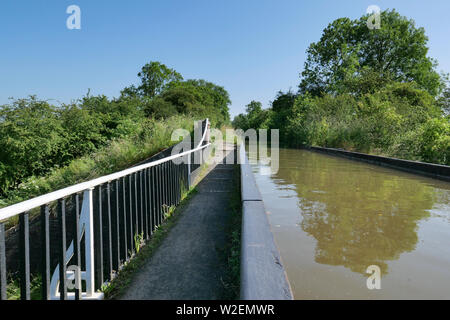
[[263, 276]]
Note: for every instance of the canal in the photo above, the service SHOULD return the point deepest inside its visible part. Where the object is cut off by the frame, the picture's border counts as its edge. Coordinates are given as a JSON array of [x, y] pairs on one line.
[[332, 218]]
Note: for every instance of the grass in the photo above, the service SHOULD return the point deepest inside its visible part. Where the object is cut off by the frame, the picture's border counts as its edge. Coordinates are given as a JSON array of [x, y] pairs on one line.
[[232, 250], [13, 289], [152, 137], [124, 278], [145, 249]]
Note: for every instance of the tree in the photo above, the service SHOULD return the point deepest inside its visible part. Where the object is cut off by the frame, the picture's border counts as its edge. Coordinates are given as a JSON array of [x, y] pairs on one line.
[[154, 76], [348, 49], [199, 97], [253, 119], [253, 108], [31, 139], [257, 117], [444, 101], [240, 122], [282, 108]]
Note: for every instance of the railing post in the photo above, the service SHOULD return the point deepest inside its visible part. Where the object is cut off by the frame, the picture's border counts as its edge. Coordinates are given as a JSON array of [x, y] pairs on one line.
[[189, 170], [45, 241], [89, 244], [2, 263], [24, 250]]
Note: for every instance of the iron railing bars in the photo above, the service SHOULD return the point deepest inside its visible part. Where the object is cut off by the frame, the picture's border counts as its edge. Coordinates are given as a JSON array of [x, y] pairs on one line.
[[139, 196], [45, 253], [27, 205], [62, 249]]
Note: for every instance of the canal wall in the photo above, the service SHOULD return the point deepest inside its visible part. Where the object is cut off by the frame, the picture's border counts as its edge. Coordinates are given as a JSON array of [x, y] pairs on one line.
[[427, 169], [262, 273]]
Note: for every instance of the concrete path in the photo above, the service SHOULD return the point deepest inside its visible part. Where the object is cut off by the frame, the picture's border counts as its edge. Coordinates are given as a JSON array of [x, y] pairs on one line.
[[188, 265]]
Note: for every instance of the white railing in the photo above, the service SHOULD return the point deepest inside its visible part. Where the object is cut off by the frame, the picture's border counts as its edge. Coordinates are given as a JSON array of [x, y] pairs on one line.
[[134, 204]]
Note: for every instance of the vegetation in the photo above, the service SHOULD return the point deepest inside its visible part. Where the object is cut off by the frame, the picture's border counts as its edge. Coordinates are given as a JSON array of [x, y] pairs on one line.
[[118, 285], [232, 250], [374, 91], [45, 147]]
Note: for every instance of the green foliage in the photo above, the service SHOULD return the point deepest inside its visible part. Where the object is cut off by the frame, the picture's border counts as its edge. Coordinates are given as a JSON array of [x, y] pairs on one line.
[[398, 120], [31, 139], [444, 101], [147, 138], [232, 250], [154, 77], [349, 50], [200, 97], [435, 141], [124, 278], [373, 91], [36, 137], [384, 122], [256, 117]]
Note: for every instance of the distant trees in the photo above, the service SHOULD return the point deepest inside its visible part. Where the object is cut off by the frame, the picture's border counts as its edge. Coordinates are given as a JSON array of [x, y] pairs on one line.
[[369, 90], [444, 101], [154, 77], [162, 92], [255, 117]]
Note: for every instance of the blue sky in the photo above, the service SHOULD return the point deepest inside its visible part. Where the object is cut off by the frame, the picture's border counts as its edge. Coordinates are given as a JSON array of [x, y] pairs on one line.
[[251, 47]]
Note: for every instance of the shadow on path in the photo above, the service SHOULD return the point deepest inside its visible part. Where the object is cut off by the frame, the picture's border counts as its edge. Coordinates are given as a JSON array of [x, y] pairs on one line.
[[188, 264]]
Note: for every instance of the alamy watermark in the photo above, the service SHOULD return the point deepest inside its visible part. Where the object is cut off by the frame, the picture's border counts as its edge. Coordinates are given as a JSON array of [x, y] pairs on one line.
[[74, 20], [260, 150], [374, 280], [374, 21]]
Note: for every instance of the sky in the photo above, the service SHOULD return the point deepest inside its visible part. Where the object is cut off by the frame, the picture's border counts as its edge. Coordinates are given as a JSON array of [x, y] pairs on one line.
[[253, 48]]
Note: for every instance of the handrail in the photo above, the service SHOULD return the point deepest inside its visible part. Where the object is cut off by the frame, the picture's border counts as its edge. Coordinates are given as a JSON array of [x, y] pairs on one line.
[[110, 210], [204, 134], [16, 209]]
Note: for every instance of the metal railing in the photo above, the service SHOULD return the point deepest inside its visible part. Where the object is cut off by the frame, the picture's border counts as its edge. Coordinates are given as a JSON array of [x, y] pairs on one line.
[[105, 219]]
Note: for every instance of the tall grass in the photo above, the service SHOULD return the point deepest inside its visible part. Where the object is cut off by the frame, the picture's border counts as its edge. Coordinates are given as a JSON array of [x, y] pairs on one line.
[[150, 137]]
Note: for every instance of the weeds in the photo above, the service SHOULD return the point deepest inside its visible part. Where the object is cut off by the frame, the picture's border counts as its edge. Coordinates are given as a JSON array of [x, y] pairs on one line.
[[119, 284], [232, 250]]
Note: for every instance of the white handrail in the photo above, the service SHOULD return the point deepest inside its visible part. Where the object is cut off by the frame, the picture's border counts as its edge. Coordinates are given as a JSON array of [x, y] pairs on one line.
[[15, 209], [204, 134]]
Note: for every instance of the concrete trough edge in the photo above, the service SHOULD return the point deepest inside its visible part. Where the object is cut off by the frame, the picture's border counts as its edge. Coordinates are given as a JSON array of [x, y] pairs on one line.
[[435, 171], [263, 276]]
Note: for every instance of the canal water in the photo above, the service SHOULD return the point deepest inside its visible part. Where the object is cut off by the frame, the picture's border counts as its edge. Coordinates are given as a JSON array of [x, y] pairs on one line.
[[332, 218]]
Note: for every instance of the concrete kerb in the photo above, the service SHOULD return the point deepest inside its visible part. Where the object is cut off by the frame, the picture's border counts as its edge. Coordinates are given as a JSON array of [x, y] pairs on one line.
[[436, 171], [262, 273]]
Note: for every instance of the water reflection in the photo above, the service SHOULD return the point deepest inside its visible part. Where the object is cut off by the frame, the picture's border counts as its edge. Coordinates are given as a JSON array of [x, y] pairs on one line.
[[359, 214]]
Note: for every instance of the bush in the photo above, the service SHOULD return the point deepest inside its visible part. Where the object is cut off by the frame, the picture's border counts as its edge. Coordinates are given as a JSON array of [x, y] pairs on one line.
[[435, 141], [148, 138]]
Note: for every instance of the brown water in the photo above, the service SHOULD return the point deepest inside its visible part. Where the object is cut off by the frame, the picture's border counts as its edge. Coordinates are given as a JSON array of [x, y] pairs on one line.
[[332, 218]]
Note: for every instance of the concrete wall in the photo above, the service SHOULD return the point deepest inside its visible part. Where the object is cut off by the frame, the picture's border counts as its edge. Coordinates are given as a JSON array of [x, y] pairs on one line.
[[431, 170], [262, 274]]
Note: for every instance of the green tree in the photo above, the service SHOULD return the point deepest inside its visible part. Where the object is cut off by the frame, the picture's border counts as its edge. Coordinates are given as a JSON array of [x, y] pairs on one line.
[[241, 122], [82, 130], [281, 110], [444, 101], [31, 139], [201, 98], [154, 77], [348, 49], [257, 117]]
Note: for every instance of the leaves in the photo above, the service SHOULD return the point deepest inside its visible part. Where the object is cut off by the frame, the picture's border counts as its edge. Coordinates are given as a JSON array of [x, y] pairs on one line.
[[349, 50], [36, 137]]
